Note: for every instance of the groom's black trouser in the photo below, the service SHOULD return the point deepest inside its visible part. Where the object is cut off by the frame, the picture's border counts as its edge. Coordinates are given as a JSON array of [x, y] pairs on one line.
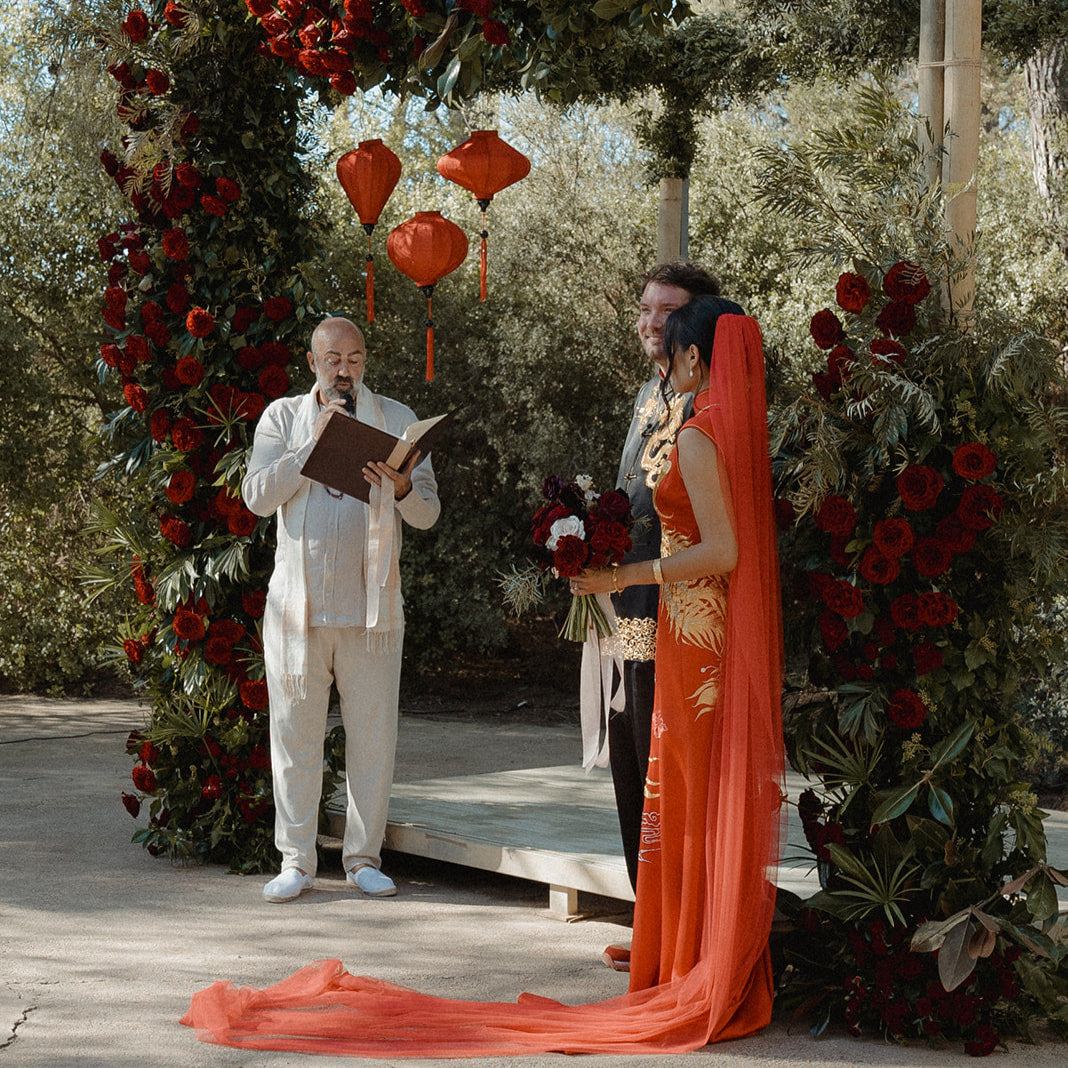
[[628, 748]]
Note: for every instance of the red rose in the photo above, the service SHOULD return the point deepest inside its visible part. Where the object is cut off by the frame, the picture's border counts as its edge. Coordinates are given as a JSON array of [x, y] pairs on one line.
[[980, 507], [275, 352], [110, 353], [842, 597], [175, 531], [259, 8], [888, 662], [140, 261], [615, 505], [225, 504], [954, 534], [852, 292], [495, 33], [135, 26], [277, 308], [919, 487], [482, 8], [243, 319], [181, 487], [159, 424], [569, 557], [133, 650], [896, 318], [158, 334], [893, 537], [833, 631], [189, 371], [937, 609], [836, 515], [973, 461], [840, 362], [175, 244], [229, 629], [931, 557], [906, 613], [199, 322], [837, 549], [212, 788], [188, 625], [227, 190], [213, 205], [927, 657], [144, 779], [906, 709], [186, 435], [188, 175], [217, 650], [259, 758], [611, 539], [824, 384], [906, 282], [344, 83], [254, 603], [874, 567], [254, 694], [250, 358], [273, 381], [131, 803], [886, 348], [241, 523], [157, 82], [415, 8], [825, 328], [135, 396], [142, 587], [137, 347]]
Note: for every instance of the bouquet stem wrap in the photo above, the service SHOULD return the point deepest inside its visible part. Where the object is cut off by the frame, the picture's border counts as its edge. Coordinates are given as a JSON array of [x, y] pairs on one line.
[[597, 699]]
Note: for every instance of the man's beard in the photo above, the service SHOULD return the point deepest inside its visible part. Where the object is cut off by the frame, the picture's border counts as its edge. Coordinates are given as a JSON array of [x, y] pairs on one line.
[[341, 388]]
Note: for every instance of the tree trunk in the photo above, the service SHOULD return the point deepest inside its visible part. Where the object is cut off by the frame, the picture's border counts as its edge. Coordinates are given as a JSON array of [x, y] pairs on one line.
[[1046, 78], [930, 84], [672, 223]]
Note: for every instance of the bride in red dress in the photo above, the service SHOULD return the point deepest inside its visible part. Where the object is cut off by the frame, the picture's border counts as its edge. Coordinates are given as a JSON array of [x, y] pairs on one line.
[[700, 968]]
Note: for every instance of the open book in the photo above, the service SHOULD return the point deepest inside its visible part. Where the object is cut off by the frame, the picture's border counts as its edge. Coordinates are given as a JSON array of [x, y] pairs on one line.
[[346, 445]]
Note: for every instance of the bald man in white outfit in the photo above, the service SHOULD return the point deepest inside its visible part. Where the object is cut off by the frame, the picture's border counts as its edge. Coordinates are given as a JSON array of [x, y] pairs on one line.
[[334, 611]]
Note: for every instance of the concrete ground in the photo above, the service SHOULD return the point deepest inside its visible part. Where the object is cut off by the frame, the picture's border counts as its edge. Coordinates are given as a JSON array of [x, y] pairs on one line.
[[101, 946]]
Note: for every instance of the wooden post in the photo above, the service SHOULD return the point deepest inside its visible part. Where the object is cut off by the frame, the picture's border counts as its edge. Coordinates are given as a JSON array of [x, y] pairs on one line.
[[930, 80], [962, 112], [670, 238]]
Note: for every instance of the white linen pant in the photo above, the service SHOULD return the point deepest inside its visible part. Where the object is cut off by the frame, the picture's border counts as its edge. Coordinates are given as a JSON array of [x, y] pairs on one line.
[[368, 684]]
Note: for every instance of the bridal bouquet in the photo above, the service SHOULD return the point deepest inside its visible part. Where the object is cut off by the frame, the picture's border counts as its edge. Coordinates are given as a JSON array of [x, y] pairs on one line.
[[576, 528]]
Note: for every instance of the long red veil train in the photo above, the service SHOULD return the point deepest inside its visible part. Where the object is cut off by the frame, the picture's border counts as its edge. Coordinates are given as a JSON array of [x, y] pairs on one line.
[[727, 993]]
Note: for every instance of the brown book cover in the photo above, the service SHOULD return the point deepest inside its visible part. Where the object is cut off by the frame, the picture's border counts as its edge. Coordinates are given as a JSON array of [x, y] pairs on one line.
[[346, 445]]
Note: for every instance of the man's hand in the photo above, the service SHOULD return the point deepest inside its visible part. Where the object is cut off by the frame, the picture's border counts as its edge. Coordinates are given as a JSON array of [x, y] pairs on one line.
[[375, 471], [325, 412]]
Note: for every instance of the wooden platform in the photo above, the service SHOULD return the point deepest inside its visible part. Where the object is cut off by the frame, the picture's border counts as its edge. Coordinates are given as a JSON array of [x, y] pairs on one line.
[[554, 825]]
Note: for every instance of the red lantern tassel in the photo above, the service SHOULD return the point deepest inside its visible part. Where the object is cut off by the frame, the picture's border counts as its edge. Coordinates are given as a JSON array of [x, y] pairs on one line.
[[482, 258], [429, 342], [370, 289]]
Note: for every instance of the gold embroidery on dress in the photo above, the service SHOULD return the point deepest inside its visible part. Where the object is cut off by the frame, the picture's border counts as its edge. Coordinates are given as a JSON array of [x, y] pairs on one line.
[[696, 612], [649, 839], [636, 639], [651, 788], [661, 441]]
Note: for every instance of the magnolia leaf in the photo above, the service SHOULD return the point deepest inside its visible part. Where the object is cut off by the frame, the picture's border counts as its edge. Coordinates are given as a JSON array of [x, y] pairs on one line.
[[1042, 899], [1017, 884], [1034, 941], [930, 935], [941, 805], [1059, 877], [848, 862], [955, 963], [896, 804], [981, 943], [986, 919], [953, 745]]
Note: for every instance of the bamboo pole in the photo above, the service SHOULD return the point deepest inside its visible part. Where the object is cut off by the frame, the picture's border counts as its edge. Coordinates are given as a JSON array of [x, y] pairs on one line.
[[670, 227], [930, 82], [962, 114]]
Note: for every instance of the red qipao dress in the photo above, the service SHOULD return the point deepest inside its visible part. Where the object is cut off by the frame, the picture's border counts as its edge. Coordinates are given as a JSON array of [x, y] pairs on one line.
[[699, 960]]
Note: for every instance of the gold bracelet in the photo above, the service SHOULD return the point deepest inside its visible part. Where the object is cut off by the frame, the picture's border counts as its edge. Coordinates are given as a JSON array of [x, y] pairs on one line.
[[658, 572], [615, 579]]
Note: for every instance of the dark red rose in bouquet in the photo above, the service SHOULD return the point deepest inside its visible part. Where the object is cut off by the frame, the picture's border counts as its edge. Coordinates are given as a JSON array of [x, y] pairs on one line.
[[954, 534], [175, 244], [254, 694], [931, 557], [836, 515], [274, 352], [243, 319], [937, 609], [919, 487], [876, 568], [973, 461], [569, 557], [906, 283], [980, 507], [852, 292], [842, 597], [250, 358], [833, 631], [133, 649], [186, 435], [131, 803], [176, 531], [188, 625], [273, 381], [495, 33], [135, 396], [181, 487], [241, 523], [157, 82], [906, 709], [199, 322], [144, 779], [213, 205], [135, 26], [142, 587], [217, 650], [886, 348], [826, 329], [254, 603], [159, 424], [212, 788], [927, 657], [228, 190], [893, 537], [896, 318], [825, 384], [189, 371], [907, 613]]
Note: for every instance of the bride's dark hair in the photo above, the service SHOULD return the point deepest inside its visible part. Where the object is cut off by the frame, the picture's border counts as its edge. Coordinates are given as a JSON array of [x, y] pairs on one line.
[[694, 323]]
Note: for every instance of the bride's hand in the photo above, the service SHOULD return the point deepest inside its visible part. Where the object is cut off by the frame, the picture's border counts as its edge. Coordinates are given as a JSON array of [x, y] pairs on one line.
[[599, 580]]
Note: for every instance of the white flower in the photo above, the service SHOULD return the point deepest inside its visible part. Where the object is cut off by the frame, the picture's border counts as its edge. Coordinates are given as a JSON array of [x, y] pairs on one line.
[[584, 482], [569, 525]]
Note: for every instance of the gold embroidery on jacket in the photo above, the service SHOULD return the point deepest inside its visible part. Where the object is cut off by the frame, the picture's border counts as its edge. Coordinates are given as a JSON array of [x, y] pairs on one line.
[[636, 639], [661, 440]]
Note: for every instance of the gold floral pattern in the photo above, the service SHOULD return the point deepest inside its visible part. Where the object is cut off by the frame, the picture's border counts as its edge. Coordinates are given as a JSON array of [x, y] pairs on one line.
[[635, 640], [656, 457]]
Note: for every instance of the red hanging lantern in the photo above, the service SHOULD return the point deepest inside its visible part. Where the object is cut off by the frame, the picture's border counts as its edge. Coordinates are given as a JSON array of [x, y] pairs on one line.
[[426, 248], [368, 175], [484, 164]]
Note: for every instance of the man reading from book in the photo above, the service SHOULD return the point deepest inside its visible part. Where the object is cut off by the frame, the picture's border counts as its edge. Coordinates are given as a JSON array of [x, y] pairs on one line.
[[334, 611]]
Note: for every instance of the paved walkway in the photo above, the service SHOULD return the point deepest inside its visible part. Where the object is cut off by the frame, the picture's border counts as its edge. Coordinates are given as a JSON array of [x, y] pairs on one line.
[[101, 946]]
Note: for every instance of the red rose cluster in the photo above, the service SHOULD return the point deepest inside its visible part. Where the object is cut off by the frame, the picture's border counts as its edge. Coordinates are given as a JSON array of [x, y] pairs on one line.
[[906, 285], [577, 529]]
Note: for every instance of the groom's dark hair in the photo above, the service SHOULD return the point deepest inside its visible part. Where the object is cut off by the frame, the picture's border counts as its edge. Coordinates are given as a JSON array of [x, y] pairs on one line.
[[686, 275]]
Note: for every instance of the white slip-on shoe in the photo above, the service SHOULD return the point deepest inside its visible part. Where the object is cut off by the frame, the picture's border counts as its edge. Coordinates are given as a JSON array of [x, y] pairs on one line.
[[290, 884], [371, 881]]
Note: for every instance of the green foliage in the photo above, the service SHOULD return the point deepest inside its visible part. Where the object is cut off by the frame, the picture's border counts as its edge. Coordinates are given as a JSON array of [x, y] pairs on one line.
[[925, 469]]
